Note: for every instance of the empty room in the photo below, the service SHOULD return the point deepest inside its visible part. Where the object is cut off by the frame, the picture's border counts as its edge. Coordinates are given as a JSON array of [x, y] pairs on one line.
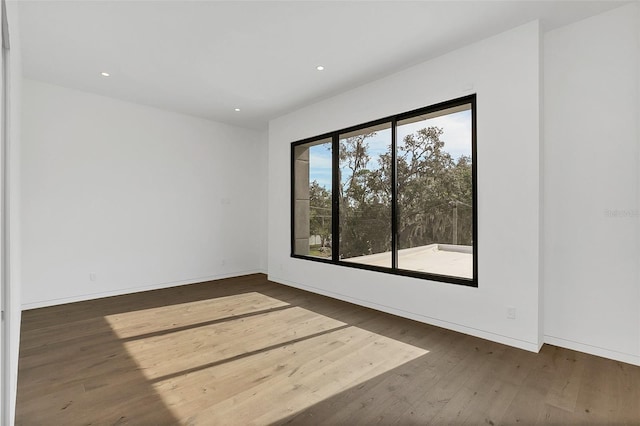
[[301, 212]]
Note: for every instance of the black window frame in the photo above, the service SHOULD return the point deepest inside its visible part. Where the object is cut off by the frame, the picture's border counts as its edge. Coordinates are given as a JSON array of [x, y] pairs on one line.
[[393, 120]]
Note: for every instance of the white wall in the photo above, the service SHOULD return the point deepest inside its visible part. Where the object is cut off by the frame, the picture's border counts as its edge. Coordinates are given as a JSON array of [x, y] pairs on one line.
[[504, 72], [140, 197], [591, 163]]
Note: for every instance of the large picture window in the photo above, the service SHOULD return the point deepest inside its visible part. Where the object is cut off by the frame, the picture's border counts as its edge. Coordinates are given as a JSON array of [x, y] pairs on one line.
[[397, 195]]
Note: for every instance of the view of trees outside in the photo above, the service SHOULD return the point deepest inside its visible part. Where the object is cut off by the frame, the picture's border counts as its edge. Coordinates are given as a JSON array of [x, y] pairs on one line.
[[365, 193], [434, 187]]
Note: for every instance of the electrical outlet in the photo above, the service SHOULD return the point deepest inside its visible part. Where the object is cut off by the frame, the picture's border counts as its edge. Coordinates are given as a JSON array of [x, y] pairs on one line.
[[92, 276], [511, 312]]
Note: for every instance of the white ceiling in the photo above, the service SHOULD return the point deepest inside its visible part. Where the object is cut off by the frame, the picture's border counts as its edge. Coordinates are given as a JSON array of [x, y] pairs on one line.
[[205, 58]]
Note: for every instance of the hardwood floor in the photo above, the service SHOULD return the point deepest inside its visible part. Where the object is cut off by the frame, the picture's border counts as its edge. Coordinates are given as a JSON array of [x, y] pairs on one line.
[[248, 351]]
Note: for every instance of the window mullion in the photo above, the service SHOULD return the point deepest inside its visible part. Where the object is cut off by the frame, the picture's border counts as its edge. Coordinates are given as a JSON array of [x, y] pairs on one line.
[[335, 198], [394, 196]]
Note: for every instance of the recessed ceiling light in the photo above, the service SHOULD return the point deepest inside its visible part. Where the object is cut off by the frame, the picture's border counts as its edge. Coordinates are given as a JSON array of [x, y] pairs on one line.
[[237, 110], [105, 74], [319, 67]]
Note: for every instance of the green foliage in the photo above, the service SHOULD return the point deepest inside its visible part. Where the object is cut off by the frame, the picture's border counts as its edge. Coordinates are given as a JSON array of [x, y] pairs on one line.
[[431, 184], [365, 201]]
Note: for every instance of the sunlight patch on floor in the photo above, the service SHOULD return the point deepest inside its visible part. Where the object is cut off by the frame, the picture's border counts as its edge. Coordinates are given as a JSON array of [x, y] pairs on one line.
[[143, 322], [273, 385], [261, 368]]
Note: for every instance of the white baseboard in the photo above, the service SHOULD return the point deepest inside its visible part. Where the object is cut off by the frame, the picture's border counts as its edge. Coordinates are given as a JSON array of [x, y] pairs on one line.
[[498, 338], [593, 350], [136, 289]]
